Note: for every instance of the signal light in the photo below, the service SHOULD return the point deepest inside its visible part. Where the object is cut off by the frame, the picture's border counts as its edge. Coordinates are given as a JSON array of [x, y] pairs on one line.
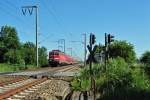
[[92, 38], [110, 38]]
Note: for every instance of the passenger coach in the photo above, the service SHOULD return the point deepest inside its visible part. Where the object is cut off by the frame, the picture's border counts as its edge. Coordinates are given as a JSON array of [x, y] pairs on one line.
[[56, 57]]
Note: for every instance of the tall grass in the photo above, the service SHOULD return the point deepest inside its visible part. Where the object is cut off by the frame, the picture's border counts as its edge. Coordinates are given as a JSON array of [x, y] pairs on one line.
[[4, 67], [119, 81]]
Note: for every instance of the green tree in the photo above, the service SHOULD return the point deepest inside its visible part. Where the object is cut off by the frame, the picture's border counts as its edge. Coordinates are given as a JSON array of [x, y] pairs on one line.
[[29, 53], [10, 37], [14, 57], [146, 60], [99, 48], [145, 57], [43, 56], [3, 50], [122, 49], [8, 40]]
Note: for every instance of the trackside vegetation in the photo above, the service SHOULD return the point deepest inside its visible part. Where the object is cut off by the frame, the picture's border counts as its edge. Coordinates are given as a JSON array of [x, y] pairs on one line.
[[14, 55], [124, 77]]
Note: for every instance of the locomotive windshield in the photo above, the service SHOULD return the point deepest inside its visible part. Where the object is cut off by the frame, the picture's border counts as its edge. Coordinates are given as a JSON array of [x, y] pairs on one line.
[[54, 53], [51, 53]]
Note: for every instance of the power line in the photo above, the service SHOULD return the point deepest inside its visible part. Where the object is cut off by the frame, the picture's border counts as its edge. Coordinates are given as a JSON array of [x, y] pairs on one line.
[[75, 55], [14, 17], [11, 4], [5, 10], [46, 38], [8, 13], [51, 12], [75, 49]]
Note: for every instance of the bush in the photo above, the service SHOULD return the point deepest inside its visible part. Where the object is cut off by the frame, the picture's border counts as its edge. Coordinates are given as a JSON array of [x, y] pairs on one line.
[[122, 49], [120, 82], [117, 76], [43, 56], [146, 58], [147, 69]]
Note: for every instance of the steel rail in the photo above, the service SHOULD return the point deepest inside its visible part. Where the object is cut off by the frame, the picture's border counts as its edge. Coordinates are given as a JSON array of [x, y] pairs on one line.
[[68, 68], [21, 88], [11, 81]]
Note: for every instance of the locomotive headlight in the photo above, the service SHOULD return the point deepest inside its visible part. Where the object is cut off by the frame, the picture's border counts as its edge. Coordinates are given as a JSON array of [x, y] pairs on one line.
[[50, 59], [56, 58]]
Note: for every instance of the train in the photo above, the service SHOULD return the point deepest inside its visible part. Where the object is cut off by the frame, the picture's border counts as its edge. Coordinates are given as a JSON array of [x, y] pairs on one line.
[[56, 57]]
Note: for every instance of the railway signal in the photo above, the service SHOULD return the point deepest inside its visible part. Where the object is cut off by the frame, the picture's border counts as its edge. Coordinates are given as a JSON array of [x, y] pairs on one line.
[[92, 38], [92, 50], [90, 47], [110, 38]]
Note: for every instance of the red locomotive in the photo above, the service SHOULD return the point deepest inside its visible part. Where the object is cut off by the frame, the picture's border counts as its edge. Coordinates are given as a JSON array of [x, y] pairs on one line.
[[56, 57]]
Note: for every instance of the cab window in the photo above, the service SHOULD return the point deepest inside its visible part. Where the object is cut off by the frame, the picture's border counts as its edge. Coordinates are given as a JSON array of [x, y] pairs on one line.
[[56, 53]]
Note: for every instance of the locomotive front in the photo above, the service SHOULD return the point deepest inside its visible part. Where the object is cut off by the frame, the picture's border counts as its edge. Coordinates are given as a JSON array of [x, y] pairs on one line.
[[54, 57]]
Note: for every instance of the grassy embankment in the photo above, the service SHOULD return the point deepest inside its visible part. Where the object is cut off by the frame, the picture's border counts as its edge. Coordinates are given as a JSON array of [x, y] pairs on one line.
[[4, 67]]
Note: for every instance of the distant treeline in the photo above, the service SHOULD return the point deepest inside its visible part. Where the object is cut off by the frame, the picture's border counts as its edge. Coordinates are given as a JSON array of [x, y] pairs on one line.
[[123, 49], [12, 51], [122, 77]]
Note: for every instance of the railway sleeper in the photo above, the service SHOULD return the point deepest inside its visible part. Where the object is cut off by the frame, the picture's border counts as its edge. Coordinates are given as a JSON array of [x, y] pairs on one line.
[[21, 88]]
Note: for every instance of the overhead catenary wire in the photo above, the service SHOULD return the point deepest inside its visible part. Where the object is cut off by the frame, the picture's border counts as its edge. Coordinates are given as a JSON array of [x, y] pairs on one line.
[[47, 37], [13, 16], [52, 12], [75, 55], [17, 19], [11, 4], [75, 49], [21, 22], [10, 14]]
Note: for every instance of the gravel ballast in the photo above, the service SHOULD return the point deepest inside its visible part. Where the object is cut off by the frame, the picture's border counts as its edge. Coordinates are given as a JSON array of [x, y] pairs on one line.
[[51, 90]]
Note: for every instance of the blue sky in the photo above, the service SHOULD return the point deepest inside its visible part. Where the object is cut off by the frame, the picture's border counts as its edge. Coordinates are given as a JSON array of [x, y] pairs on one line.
[[69, 19]]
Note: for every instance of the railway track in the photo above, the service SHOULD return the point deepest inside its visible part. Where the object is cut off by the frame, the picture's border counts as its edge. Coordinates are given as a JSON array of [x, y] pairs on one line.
[[54, 71], [11, 81], [71, 67], [19, 89]]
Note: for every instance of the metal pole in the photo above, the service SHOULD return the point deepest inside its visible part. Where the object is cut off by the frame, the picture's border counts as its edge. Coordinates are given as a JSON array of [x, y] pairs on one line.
[[60, 47], [106, 58], [70, 51], [94, 86], [36, 36], [64, 46], [63, 42], [105, 51], [36, 24], [57, 43], [91, 60], [84, 49]]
